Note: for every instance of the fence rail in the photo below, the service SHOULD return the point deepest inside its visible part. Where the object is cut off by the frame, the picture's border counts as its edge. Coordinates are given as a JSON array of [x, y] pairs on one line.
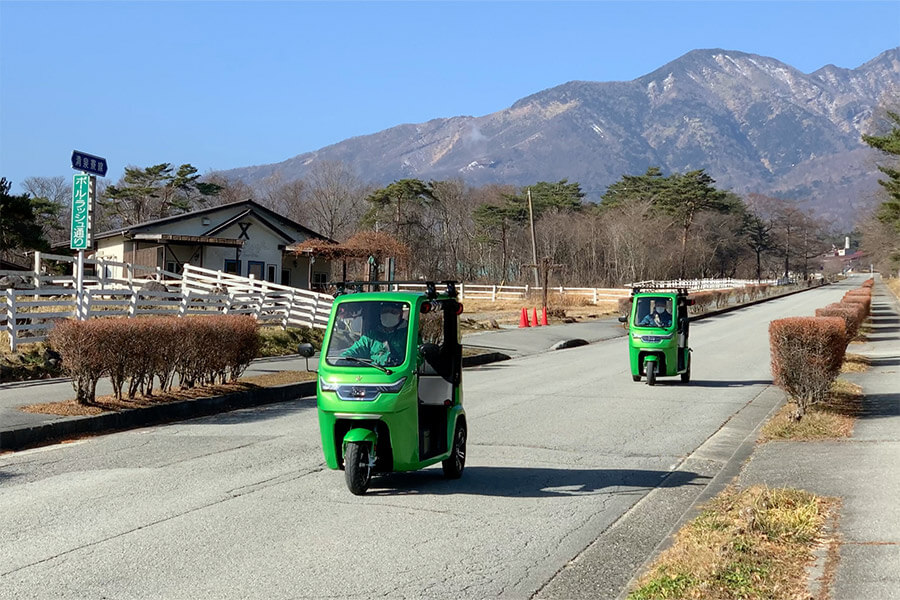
[[495, 293], [706, 284], [124, 290], [27, 315]]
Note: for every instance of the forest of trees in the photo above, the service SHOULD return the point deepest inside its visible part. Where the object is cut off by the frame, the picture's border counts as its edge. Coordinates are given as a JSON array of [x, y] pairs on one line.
[[648, 226]]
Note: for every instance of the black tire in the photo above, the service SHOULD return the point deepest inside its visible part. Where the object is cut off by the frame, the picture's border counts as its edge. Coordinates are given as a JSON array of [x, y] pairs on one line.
[[686, 376], [650, 367], [454, 465], [635, 377], [357, 471]]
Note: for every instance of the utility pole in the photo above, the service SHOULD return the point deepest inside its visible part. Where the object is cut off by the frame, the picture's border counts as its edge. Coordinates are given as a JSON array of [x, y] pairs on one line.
[[544, 268], [537, 282]]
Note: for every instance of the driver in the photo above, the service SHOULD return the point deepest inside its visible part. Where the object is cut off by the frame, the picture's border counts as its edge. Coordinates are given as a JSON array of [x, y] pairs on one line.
[[660, 317], [384, 344]]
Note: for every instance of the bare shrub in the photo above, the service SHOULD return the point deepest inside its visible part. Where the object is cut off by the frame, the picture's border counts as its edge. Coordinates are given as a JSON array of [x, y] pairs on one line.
[[624, 306], [702, 301], [864, 301], [806, 354], [850, 313], [243, 345], [82, 358]]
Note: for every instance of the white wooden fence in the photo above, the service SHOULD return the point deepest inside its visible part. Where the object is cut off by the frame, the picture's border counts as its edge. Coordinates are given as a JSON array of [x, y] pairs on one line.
[[705, 284], [27, 315], [495, 293]]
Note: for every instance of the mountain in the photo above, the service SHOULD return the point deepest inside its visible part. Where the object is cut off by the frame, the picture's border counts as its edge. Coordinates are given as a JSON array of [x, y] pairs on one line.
[[754, 123]]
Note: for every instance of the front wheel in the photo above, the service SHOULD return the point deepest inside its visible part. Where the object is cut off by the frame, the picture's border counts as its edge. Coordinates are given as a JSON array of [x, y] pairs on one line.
[[635, 377], [454, 465], [650, 367], [357, 468]]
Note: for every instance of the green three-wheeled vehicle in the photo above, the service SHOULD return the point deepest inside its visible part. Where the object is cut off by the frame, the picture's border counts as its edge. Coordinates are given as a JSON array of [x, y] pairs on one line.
[[658, 327], [389, 388]]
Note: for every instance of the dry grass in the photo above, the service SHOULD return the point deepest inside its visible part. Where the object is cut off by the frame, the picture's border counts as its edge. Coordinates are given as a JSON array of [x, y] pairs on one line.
[[103, 404], [750, 544], [508, 312], [855, 363], [893, 284], [831, 419]]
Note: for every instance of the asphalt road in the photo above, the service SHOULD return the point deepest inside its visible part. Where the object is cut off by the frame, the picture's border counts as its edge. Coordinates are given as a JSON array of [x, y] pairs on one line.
[[574, 475]]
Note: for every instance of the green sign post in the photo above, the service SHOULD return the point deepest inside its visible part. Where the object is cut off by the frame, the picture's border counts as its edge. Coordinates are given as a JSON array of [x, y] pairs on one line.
[[81, 212]]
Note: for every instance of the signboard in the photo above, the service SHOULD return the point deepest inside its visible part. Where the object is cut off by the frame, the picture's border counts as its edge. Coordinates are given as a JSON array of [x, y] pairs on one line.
[[81, 212], [89, 163]]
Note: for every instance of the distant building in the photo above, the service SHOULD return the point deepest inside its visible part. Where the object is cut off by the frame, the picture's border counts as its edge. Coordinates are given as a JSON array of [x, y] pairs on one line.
[[243, 238]]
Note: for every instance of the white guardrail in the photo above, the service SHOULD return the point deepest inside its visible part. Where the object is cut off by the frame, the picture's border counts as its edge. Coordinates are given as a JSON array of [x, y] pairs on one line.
[[27, 315]]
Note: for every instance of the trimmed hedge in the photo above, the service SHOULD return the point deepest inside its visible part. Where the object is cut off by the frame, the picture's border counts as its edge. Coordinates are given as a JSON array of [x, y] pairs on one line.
[[851, 313], [807, 353], [140, 352]]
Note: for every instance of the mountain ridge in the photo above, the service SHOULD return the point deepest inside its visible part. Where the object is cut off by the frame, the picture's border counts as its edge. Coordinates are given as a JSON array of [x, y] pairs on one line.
[[754, 123]]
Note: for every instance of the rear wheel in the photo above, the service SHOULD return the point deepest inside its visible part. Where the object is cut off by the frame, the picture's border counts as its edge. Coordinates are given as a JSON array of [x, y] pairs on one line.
[[357, 471], [686, 376], [635, 377], [650, 367], [454, 465]]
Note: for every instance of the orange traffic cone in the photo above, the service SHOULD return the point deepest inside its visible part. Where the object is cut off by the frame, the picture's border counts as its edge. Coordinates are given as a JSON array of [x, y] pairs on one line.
[[544, 316], [523, 320], [536, 324]]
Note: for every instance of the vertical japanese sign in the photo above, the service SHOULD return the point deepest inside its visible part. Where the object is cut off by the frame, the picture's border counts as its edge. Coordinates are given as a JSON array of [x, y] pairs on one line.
[[81, 212]]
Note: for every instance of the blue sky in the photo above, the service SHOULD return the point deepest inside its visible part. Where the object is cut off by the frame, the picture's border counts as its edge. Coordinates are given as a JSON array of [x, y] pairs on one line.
[[232, 84]]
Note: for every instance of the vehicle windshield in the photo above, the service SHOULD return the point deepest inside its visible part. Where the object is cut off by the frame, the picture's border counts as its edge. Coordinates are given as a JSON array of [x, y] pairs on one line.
[[367, 333], [653, 311]]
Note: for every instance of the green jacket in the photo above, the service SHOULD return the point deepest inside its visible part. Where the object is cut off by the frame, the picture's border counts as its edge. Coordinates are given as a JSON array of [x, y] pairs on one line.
[[385, 347]]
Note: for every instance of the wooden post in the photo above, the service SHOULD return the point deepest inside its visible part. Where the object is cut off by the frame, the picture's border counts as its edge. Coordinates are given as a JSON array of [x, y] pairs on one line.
[[11, 318], [37, 269]]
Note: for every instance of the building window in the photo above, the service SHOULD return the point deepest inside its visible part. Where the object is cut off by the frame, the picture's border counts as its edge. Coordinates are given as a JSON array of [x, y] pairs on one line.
[[270, 274], [285, 277], [319, 280], [171, 268], [233, 267], [255, 269]]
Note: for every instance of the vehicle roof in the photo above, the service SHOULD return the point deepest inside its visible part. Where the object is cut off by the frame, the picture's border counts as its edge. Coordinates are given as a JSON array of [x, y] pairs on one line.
[[404, 296]]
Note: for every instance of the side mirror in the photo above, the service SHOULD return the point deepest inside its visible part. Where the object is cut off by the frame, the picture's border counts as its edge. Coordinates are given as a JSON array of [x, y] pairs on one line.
[[623, 319], [306, 350]]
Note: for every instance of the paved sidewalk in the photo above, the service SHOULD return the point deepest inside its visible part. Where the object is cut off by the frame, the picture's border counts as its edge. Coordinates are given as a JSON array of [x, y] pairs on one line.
[[862, 471]]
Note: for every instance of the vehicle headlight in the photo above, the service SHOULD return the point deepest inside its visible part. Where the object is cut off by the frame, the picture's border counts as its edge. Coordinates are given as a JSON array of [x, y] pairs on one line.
[[392, 388], [328, 387]]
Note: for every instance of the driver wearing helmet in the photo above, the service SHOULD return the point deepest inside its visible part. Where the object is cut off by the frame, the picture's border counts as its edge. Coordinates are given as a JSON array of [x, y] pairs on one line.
[[384, 344]]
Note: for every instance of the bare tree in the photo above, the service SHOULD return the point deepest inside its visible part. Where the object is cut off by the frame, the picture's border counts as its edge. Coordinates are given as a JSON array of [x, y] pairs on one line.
[[336, 199], [57, 190]]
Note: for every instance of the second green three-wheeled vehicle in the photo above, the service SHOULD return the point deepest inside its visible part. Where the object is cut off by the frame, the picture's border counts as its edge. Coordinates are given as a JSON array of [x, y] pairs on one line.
[[658, 327], [389, 388]]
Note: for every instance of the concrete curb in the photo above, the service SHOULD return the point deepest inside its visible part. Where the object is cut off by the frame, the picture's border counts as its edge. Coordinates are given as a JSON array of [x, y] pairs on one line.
[[111, 422], [18, 439]]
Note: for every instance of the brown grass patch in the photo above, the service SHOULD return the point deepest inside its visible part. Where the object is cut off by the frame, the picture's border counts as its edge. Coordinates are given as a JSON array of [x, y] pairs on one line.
[[831, 419], [893, 284], [508, 312], [751, 544], [70, 408], [855, 363]]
